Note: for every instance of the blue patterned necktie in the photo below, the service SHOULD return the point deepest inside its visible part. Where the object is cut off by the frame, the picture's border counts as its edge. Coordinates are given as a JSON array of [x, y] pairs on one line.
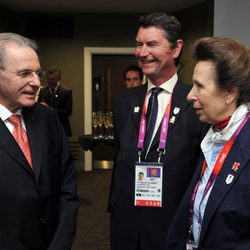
[[151, 116]]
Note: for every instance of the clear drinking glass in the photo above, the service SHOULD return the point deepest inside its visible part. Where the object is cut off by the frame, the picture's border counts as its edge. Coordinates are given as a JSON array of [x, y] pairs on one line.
[[100, 116], [95, 123], [110, 122], [106, 124]]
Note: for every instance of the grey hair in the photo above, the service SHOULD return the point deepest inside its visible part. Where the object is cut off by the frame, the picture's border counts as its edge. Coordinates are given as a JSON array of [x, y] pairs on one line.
[[6, 38]]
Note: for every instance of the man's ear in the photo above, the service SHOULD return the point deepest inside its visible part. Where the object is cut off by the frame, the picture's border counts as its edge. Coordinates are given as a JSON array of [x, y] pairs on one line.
[[177, 49]]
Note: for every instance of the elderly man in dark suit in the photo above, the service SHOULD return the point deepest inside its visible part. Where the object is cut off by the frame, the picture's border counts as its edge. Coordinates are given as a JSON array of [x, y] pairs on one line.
[[57, 97], [141, 211], [37, 176]]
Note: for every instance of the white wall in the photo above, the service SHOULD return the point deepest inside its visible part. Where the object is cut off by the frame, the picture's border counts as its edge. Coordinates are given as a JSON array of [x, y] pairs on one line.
[[232, 19]]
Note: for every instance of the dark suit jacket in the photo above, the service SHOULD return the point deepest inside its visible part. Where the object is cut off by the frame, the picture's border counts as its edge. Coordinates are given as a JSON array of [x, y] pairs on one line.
[[128, 222], [61, 101], [38, 209], [226, 222]]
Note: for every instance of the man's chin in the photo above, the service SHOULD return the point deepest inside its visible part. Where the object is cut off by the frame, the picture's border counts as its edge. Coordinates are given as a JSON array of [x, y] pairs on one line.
[[28, 103], [148, 71]]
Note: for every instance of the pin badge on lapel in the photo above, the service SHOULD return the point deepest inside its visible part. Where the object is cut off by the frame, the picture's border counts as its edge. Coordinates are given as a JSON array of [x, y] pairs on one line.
[[172, 119], [235, 166], [229, 179], [136, 109], [176, 110]]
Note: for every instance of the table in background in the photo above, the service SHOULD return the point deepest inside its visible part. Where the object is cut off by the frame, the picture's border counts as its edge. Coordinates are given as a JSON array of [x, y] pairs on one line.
[[89, 142]]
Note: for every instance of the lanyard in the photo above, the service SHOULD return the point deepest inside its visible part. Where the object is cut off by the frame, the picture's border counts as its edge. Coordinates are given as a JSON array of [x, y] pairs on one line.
[[216, 169], [164, 130]]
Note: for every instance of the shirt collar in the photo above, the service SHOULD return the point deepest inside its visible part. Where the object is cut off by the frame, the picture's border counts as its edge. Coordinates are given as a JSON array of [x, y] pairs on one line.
[[168, 85], [5, 113], [225, 134], [56, 87]]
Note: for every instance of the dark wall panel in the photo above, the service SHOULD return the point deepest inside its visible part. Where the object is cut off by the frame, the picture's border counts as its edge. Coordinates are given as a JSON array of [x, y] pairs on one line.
[[50, 27]]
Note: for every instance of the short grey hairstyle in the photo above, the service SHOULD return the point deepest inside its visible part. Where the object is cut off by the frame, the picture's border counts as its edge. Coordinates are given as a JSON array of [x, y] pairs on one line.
[[6, 38]]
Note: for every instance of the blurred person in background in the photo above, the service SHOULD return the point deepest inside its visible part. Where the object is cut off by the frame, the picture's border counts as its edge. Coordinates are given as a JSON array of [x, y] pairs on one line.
[[133, 76], [57, 97]]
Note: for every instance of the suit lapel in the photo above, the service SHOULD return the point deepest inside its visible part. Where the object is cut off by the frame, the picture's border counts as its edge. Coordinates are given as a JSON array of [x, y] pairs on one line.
[[136, 104], [178, 105], [10, 147], [57, 95], [238, 154], [32, 125]]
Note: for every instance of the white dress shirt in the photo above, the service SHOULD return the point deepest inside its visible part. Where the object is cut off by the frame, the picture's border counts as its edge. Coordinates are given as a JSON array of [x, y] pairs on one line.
[[163, 100], [5, 114]]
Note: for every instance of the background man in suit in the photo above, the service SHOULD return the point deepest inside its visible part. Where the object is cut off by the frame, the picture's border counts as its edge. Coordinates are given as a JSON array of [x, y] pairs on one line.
[[133, 76], [58, 97], [37, 175], [158, 46]]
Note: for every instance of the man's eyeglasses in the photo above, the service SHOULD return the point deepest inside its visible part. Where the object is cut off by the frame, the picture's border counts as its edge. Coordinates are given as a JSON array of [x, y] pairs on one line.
[[27, 73]]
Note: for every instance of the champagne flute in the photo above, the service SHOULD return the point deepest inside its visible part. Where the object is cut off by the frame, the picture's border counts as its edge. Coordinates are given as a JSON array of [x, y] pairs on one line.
[[110, 122], [106, 124], [100, 122], [95, 123]]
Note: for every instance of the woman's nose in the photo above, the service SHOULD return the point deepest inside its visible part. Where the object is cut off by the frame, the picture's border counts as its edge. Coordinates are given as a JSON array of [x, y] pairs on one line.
[[191, 95]]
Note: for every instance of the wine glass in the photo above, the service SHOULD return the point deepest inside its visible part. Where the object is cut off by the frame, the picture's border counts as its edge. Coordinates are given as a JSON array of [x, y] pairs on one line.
[[100, 122], [110, 122], [95, 123], [106, 124]]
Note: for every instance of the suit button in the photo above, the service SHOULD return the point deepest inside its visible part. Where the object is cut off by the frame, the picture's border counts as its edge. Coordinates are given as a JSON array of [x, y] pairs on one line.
[[37, 190], [43, 220]]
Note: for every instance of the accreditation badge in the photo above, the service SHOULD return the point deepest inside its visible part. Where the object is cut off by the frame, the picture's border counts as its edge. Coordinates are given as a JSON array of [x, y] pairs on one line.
[[148, 184]]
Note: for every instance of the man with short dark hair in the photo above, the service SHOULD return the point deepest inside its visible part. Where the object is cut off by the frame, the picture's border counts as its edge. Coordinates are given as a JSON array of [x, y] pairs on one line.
[[37, 173], [156, 132], [133, 76]]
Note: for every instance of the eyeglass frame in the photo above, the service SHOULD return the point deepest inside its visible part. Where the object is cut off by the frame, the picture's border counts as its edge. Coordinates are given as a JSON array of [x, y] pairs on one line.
[[24, 74]]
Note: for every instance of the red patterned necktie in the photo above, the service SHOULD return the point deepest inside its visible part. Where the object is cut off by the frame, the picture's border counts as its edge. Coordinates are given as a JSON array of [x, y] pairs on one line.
[[20, 136]]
